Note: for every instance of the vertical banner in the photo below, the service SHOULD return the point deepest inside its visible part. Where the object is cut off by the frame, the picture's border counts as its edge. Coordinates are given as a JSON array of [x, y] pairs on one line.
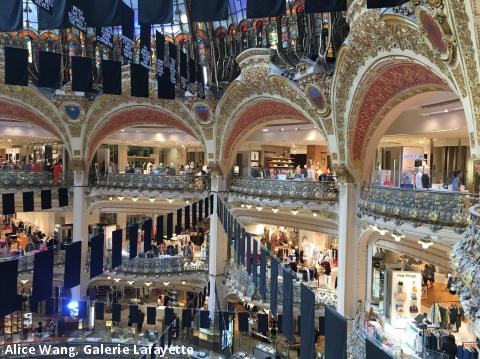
[[273, 286], [242, 247], [99, 311], [263, 273], [249, 254], [46, 199], [104, 36], [116, 312], [194, 214], [200, 82], [63, 197], [147, 235], [186, 318], [117, 238], [179, 228], [73, 265], [183, 70], [172, 54], [237, 242], [169, 225], [262, 323], [307, 323], [42, 283], [200, 210], [159, 233], [96, 255], [207, 211], [287, 317], [212, 198], [28, 204], [11, 15], [192, 79], [145, 46], [128, 45], [335, 334], [133, 238], [243, 325], [187, 217], [204, 319], [9, 301], [8, 203], [255, 263], [165, 88], [151, 315], [133, 314]]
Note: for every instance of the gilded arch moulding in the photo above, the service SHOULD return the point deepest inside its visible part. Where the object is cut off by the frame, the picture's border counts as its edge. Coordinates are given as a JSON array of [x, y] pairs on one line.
[[106, 107], [260, 86], [374, 37], [27, 104]]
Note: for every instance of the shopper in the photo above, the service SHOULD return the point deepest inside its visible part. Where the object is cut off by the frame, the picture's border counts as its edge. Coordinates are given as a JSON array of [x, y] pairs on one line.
[[418, 178], [426, 181], [457, 179]]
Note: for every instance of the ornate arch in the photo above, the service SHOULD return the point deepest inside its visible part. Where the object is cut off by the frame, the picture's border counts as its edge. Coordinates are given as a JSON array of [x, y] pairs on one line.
[[377, 42], [26, 104], [112, 113], [258, 96]]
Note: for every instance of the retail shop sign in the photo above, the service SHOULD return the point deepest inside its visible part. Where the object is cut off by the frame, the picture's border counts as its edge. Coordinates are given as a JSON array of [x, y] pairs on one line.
[[415, 156]]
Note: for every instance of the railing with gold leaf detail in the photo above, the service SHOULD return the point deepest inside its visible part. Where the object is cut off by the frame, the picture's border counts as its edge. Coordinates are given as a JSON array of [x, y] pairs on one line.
[[433, 207], [285, 189]]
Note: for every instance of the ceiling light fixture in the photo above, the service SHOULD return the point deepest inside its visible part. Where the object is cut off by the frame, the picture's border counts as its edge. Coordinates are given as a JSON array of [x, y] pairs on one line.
[[121, 198], [116, 280], [259, 208], [166, 284], [382, 232], [134, 199], [170, 200], [151, 200], [275, 210], [248, 206], [294, 211], [315, 213], [111, 198], [425, 242], [242, 205], [148, 284], [130, 282]]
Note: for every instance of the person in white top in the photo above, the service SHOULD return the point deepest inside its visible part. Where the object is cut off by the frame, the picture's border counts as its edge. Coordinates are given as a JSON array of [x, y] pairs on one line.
[[418, 178]]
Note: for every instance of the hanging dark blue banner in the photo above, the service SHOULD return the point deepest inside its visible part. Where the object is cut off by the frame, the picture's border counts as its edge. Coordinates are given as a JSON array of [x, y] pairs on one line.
[[104, 36], [139, 80], [8, 203], [194, 214], [116, 312], [82, 74], [133, 316], [262, 323], [111, 77], [242, 246], [183, 70], [287, 317], [11, 15], [381, 4], [255, 263], [103, 13], [209, 10], [132, 240], [73, 265], [200, 82], [263, 274], [151, 315], [165, 88], [49, 64], [187, 217], [99, 311], [46, 199], [97, 249], [9, 300], [178, 227], [200, 210], [28, 204], [169, 317], [145, 46], [147, 235], [316, 6], [159, 232], [204, 319], [172, 53], [335, 334], [152, 12], [46, 5], [169, 225], [42, 283], [207, 211], [186, 318], [249, 254], [16, 66], [307, 326], [265, 8], [117, 238], [128, 31], [223, 320], [243, 325], [273, 286]]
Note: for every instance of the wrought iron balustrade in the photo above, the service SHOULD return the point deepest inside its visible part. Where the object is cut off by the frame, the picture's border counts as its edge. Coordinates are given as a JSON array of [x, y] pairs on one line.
[[160, 265], [434, 207], [25, 261], [22, 179], [285, 190], [153, 182]]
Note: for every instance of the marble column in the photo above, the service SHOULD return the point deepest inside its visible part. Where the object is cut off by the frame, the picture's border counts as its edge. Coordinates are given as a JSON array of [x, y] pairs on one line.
[[80, 228], [217, 250], [347, 288]]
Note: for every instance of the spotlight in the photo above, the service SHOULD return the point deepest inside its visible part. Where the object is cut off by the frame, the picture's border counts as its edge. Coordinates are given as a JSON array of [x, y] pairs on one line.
[[275, 210], [294, 211], [151, 200], [170, 200], [397, 236], [425, 243], [248, 206], [134, 199], [259, 208], [315, 213], [121, 198]]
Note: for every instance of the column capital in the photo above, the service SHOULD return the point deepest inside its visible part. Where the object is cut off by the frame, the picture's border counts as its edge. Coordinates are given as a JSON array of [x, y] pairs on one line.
[[343, 174]]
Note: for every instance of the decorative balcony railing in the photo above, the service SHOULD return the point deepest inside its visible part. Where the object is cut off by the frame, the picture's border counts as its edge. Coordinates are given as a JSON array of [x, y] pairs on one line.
[[238, 280], [163, 264], [285, 190], [25, 262], [22, 179], [465, 262], [153, 182], [436, 208]]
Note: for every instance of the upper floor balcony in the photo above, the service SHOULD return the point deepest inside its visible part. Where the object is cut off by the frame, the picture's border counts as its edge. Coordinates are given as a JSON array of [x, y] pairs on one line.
[[18, 179], [149, 185], [284, 190], [436, 208]]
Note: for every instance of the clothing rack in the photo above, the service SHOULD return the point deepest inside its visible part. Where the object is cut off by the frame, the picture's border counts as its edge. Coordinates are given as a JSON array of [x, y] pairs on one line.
[[443, 302]]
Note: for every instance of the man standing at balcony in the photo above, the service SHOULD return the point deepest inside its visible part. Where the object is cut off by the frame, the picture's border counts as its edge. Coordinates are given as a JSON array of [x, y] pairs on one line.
[[457, 179]]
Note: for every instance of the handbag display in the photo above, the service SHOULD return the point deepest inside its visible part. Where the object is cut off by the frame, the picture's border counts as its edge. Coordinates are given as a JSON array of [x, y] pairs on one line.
[[400, 297], [413, 309], [414, 296]]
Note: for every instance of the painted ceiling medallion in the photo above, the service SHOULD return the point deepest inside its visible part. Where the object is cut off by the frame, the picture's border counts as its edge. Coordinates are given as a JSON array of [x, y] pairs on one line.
[[203, 113], [435, 33], [73, 111], [317, 98]]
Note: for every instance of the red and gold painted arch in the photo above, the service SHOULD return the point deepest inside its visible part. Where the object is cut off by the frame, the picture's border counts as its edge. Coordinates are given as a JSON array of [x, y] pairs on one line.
[[392, 82], [134, 116]]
